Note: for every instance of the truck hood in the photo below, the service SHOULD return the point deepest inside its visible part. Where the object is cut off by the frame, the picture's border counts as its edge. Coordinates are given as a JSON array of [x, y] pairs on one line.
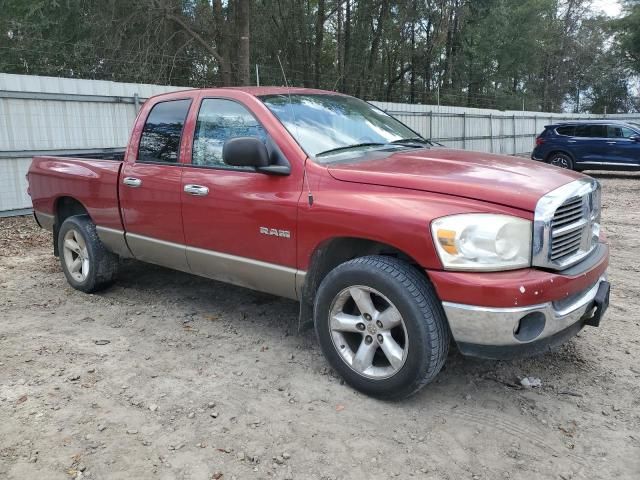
[[511, 181]]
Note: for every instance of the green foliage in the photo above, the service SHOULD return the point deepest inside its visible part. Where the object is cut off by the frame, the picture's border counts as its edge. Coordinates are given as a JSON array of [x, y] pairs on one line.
[[545, 55], [628, 30]]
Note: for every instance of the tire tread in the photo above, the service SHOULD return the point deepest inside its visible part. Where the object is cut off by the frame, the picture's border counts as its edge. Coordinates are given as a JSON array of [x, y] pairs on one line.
[[423, 294]]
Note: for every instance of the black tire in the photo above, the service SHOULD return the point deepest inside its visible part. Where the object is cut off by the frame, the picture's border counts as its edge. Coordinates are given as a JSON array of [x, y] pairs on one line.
[[426, 328], [561, 160], [102, 264]]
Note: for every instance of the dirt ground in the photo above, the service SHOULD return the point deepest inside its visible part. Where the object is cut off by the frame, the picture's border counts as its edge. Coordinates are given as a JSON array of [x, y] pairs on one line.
[[167, 375]]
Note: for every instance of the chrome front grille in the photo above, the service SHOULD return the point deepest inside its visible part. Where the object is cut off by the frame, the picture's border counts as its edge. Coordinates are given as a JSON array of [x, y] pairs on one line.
[[567, 224], [568, 228]]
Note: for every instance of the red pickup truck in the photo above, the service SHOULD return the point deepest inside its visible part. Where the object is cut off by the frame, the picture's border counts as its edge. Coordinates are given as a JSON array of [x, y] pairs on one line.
[[392, 245]]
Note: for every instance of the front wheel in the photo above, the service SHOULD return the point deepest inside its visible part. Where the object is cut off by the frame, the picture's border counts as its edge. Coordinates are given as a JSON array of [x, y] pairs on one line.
[[86, 263], [381, 326]]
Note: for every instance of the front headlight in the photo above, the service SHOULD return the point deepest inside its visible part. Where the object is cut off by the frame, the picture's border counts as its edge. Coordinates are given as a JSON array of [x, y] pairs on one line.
[[482, 241]]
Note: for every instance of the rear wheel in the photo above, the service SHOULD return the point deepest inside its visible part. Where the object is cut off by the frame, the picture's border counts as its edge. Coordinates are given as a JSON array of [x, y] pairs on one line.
[[561, 160], [86, 263], [381, 326]]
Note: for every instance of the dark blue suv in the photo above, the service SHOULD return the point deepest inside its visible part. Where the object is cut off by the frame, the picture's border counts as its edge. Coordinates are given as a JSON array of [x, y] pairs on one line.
[[590, 145]]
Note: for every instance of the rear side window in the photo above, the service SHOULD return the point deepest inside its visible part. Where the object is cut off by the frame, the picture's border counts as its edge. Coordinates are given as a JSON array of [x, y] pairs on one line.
[[598, 131], [160, 140], [567, 130], [591, 131]]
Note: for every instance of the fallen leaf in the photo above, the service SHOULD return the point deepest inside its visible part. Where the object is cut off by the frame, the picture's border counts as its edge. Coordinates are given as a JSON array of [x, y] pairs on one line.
[[339, 408], [22, 399]]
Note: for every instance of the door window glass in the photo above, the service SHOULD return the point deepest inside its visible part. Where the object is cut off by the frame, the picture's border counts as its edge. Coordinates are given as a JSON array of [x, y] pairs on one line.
[[593, 131], [218, 121], [598, 131], [616, 131], [582, 131], [160, 140]]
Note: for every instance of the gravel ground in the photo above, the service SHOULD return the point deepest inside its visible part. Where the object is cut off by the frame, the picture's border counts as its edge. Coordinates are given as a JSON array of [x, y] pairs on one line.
[[167, 375]]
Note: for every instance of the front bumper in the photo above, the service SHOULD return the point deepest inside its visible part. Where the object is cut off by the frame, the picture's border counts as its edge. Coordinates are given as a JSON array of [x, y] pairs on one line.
[[519, 331]]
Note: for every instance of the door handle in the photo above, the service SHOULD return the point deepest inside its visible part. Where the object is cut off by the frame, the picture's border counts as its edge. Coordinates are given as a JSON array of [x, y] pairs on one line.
[[197, 190], [132, 182], [571, 141], [612, 143]]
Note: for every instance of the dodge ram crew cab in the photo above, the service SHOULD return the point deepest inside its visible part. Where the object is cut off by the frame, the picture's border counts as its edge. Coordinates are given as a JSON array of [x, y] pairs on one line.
[[392, 246]]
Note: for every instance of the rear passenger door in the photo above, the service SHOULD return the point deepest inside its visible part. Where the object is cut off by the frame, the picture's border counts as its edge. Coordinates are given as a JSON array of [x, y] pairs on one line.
[[150, 189], [591, 145]]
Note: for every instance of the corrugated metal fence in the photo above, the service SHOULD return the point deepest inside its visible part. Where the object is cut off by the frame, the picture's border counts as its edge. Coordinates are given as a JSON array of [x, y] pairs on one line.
[[495, 131], [49, 116]]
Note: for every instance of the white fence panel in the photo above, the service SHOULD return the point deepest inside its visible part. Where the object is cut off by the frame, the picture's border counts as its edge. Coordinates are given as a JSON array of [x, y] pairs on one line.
[[40, 115], [47, 114]]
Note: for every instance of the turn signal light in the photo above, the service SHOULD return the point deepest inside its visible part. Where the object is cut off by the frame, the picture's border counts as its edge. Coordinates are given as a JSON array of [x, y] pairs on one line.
[[447, 239]]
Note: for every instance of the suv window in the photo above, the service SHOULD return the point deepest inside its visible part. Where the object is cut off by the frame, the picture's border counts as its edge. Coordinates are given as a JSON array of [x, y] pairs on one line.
[[616, 131], [567, 130], [593, 131], [218, 121], [160, 140]]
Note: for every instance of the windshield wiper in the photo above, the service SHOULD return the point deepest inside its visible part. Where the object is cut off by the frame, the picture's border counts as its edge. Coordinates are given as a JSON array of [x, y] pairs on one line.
[[409, 141], [347, 147]]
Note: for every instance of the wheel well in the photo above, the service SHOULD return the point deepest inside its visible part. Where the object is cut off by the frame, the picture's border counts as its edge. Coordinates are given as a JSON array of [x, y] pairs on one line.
[[331, 254], [553, 152], [64, 208]]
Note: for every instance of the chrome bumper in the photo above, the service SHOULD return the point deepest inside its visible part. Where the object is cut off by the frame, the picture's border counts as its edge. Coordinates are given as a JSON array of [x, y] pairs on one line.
[[500, 326]]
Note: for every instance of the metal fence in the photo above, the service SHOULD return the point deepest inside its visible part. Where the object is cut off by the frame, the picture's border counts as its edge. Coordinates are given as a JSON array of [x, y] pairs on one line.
[[53, 116], [493, 131]]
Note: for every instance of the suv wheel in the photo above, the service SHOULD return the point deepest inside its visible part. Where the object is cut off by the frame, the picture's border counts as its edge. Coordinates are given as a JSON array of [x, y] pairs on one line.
[[561, 160], [86, 263], [381, 326]]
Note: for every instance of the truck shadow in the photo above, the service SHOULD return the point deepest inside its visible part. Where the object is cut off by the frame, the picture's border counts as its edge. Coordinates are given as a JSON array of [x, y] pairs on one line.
[[242, 309]]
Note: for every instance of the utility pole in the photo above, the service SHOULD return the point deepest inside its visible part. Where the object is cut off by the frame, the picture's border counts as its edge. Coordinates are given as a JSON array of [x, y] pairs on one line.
[[257, 76]]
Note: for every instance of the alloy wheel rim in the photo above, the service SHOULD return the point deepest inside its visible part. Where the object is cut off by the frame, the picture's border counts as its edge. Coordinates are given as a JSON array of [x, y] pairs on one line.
[[76, 255], [368, 332], [560, 162]]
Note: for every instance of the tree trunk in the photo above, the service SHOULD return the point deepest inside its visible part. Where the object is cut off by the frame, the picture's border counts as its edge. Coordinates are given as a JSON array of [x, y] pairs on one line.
[[242, 25], [375, 45], [347, 45], [220, 37], [318, 46], [339, 47]]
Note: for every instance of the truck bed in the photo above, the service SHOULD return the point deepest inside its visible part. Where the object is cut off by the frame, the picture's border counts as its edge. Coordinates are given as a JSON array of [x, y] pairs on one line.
[[90, 180]]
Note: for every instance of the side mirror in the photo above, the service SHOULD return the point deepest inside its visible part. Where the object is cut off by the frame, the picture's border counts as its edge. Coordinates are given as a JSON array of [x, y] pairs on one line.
[[635, 138], [245, 152]]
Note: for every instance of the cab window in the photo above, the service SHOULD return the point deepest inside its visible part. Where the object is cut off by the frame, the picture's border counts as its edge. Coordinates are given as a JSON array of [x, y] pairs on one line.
[[218, 121], [160, 140]]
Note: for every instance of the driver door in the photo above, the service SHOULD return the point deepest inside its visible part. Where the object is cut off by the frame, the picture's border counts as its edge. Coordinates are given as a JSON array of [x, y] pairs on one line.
[[230, 213]]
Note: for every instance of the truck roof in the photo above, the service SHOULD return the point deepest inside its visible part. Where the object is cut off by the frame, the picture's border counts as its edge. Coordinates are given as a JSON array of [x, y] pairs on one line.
[[259, 91]]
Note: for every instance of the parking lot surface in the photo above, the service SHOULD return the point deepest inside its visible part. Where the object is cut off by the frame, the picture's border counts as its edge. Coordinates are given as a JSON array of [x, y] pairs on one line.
[[167, 375]]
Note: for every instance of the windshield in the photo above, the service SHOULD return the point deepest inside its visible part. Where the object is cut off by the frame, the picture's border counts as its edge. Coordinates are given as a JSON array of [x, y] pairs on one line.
[[325, 124]]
